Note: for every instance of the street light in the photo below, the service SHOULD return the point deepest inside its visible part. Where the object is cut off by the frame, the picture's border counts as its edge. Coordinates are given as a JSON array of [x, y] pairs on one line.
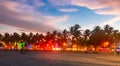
[[106, 44]]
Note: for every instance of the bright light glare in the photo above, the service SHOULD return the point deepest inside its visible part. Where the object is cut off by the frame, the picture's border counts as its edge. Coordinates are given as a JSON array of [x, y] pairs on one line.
[[56, 49]]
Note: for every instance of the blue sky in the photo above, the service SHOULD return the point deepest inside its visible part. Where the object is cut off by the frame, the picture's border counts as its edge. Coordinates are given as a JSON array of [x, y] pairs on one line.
[[48, 15]]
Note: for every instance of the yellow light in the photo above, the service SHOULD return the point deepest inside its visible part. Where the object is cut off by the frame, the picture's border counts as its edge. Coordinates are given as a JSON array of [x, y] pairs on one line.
[[106, 43], [93, 49], [74, 46], [47, 45], [13, 47], [85, 48], [74, 49], [56, 49], [64, 44], [6, 47]]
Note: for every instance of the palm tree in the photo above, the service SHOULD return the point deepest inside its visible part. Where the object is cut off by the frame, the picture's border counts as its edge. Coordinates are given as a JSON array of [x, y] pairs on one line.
[[16, 37], [109, 33], [37, 38], [108, 30], [65, 32], [55, 37], [76, 33], [48, 37], [6, 38], [24, 37], [60, 39], [97, 37], [97, 29], [30, 39], [54, 33], [65, 36], [86, 36], [1, 37]]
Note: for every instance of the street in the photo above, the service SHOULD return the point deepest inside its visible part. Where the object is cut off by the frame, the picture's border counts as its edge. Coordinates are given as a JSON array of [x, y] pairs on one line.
[[40, 58]]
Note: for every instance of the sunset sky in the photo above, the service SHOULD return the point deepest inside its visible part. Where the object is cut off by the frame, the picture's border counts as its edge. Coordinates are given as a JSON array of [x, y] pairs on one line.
[[48, 15]]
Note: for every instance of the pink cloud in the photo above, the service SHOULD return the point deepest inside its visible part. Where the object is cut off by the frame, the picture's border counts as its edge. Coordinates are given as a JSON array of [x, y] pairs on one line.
[[54, 20], [110, 11], [97, 5], [91, 4], [19, 17], [105, 7], [101, 7]]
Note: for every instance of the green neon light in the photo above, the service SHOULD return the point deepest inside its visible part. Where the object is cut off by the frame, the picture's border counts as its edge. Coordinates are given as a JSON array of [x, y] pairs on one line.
[[22, 44]]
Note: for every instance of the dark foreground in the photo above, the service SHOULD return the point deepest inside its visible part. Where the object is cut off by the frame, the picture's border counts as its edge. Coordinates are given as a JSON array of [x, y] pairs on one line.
[[38, 58]]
